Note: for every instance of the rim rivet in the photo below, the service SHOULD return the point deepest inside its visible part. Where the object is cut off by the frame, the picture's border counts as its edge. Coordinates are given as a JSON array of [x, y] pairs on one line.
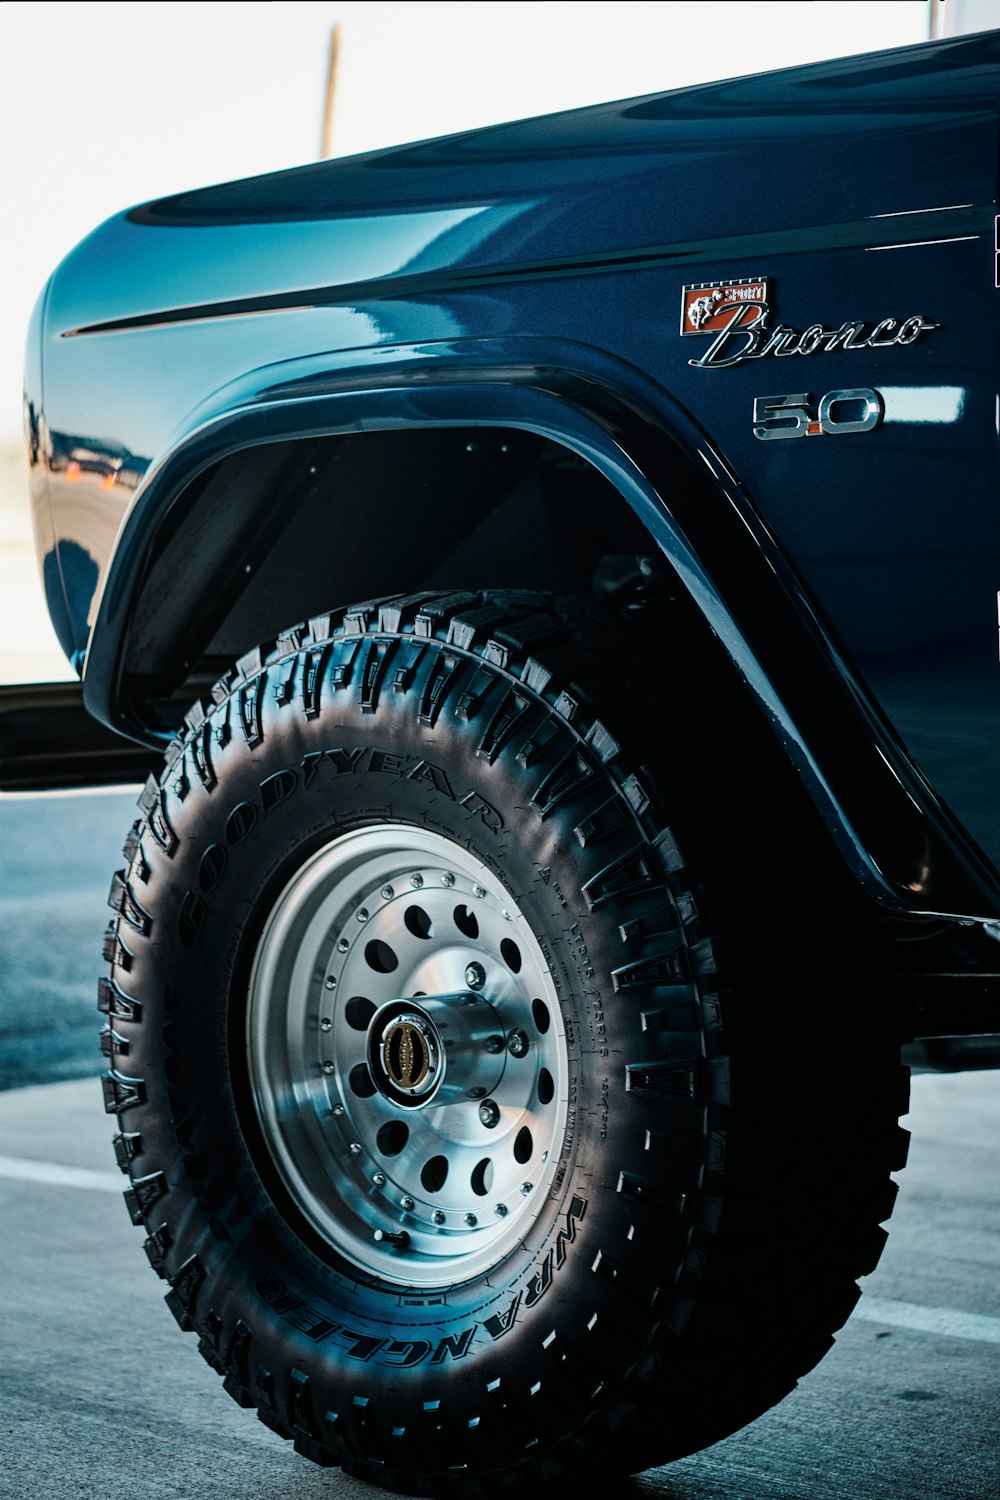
[[500, 1209], [342, 947], [362, 915], [406, 1203], [489, 1113], [416, 881], [475, 976], [329, 1067], [326, 1024], [387, 893], [471, 1220], [331, 982], [517, 1043], [355, 1148], [478, 892], [526, 1188], [437, 1216], [447, 878], [379, 1179]]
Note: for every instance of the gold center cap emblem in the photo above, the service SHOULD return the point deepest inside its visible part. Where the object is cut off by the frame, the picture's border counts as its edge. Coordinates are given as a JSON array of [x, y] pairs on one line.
[[406, 1054]]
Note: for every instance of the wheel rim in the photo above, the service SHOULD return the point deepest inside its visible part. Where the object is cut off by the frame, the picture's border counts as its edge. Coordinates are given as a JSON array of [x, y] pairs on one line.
[[407, 1058]]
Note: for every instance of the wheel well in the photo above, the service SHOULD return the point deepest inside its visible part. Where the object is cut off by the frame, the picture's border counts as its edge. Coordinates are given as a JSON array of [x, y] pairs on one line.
[[278, 532]]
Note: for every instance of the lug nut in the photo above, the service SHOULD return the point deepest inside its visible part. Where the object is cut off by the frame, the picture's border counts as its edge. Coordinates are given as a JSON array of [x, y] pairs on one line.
[[493, 1045], [338, 1109], [379, 1179], [479, 892], [526, 1188], [342, 946], [387, 1237], [471, 1220], [447, 878], [387, 893], [331, 983], [437, 1216], [489, 1113], [362, 915], [416, 881], [517, 1043], [500, 1209], [475, 976], [329, 1067], [406, 1203], [326, 1024], [355, 1148]]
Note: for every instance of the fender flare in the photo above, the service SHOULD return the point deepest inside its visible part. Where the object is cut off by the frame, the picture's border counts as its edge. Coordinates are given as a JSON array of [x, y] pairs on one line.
[[899, 841]]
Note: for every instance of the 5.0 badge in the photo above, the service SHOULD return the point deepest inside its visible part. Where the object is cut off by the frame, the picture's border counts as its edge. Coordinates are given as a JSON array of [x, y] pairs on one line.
[[836, 413]]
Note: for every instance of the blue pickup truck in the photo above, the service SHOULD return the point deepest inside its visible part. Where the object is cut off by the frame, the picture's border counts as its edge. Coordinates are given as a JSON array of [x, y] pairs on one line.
[[547, 578]]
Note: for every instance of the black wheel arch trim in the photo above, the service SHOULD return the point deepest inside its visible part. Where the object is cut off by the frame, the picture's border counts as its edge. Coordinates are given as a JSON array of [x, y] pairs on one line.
[[899, 840]]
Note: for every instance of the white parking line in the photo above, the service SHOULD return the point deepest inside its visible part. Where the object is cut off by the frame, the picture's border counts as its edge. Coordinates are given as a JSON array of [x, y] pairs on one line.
[[947, 1321], [57, 1176]]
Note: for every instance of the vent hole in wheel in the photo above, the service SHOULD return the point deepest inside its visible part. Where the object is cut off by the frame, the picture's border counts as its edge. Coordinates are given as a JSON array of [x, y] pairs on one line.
[[380, 957], [392, 1137], [482, 1177], [465, 921], [418, 922], [546, 1088], [361, 1081], [540, 1011], [358, 1012], [434, 1174], [511, 955], [523, 1146]]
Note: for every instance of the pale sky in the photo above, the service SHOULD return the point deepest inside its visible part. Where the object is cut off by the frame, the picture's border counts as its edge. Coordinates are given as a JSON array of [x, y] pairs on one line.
[[108, 104]]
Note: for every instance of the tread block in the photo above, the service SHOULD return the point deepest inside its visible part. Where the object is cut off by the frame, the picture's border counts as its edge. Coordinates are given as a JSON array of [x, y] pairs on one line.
[[112, 1001], [314, 665], [184, 1291], [113, 1045], [668, 968], [637, 1288], [506, 721], [127, 1145], [201, 756], [249, 702], [573, 772], [652, 1194], [121, 1093], [656, 1080], [439, 680], [123, 900], [624, 876], [602, 822], [156, 1247], [144, 1192]]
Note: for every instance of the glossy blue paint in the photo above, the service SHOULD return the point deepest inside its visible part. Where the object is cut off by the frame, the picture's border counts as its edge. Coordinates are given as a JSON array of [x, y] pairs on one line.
[[517, 260]]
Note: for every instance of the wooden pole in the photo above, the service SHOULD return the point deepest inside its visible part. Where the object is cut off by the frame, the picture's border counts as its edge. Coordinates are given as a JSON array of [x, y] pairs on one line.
[[326, 141]]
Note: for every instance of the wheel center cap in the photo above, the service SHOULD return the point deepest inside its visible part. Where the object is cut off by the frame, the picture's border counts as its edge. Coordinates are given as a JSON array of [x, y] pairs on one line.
[[410, 1054]]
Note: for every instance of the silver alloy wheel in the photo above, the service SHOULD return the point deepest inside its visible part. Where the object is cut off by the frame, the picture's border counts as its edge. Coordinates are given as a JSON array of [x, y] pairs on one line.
[[390, 954]]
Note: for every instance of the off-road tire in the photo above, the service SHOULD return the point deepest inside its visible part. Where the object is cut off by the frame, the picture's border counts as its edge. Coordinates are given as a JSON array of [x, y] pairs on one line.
[[727, 1119]]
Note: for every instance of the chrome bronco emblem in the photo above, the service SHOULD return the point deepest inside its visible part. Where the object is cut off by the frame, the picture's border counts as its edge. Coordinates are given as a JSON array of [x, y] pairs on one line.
[[737, 312]]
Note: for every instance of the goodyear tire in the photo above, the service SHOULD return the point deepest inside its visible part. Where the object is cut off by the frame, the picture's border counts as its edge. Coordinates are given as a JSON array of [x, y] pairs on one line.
[[479, 1138]]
